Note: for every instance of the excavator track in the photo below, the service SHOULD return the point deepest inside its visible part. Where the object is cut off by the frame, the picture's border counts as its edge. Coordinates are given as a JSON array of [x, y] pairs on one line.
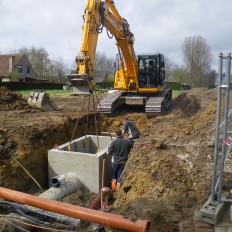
[[155, 104], [159, 103], [110, 103]]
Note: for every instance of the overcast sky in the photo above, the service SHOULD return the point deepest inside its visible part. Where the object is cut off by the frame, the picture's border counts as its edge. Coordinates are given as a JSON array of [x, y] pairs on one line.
[[158, 26]]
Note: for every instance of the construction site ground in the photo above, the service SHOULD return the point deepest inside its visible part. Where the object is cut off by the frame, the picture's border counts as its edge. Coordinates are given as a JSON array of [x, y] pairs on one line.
[[167, 178]]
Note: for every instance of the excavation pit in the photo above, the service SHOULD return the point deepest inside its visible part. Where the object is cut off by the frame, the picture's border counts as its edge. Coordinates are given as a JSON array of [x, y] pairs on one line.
[[83, 157]]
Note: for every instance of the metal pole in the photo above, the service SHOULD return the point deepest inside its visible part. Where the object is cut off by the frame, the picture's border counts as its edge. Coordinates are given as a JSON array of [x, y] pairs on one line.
[[227, 155], [103, 175], [217, 128], [227, 90]]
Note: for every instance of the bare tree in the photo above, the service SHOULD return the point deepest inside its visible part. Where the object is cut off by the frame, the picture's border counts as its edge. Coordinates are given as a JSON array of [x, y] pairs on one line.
[[197, 58], [102, 62], [180, 75], [169, 67], [57, 71]]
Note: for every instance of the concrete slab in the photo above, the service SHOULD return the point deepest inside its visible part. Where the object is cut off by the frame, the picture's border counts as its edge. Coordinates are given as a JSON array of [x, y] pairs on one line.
[[223, 224], [84, 158], [201, 226], [212, 211]]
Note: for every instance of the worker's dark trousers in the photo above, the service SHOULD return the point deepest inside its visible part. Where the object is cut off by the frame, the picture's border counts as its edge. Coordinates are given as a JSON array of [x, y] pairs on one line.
[[117, 171], [132, 141]]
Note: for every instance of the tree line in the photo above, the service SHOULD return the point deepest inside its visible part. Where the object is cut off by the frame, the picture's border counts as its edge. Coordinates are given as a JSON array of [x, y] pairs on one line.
[[196, 70], [56, 70]]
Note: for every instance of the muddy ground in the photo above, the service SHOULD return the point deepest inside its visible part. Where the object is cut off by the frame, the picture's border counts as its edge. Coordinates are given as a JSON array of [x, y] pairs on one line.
[[167, 177]]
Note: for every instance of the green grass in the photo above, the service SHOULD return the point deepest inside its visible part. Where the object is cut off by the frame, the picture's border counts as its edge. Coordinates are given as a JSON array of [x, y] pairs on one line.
[[176, 92], [66, 93], [57, 93]]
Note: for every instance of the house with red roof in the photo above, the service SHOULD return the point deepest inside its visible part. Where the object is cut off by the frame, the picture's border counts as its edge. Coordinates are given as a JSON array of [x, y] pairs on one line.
[[16, 67]]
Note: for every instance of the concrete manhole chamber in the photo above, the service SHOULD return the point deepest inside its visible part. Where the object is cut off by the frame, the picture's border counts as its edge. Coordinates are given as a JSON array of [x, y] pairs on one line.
[[84, 157]]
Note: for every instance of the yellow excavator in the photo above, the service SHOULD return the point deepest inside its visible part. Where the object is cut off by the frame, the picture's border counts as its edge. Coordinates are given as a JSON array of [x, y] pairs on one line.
[[140, 79]]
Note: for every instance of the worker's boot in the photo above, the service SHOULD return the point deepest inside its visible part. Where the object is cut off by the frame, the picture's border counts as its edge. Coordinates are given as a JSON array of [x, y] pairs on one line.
[[117, 187], [113, 185]]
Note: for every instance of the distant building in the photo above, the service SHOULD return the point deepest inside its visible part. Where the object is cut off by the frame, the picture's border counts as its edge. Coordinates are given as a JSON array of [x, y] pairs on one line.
[[16, 67]]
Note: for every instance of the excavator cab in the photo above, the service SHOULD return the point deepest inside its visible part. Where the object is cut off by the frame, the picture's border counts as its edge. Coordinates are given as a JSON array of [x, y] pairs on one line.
[[151, 71]]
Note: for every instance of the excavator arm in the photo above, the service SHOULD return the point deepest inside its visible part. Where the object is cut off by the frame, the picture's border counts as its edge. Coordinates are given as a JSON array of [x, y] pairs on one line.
[[90, 31], [97, 15], [119, 27]]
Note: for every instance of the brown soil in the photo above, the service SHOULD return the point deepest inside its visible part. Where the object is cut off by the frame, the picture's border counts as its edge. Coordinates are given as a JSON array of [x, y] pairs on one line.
[[167, 176]]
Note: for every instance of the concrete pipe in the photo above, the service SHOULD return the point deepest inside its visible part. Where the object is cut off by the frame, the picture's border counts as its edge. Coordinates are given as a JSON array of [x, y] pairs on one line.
[[68, 184], [106, 219]]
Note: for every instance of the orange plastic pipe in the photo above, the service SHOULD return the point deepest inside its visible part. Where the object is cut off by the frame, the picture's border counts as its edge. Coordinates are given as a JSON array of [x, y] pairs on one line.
[[107, 219]]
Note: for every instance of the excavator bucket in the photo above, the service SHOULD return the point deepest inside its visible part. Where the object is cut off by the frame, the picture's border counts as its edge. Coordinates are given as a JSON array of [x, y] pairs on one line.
[[41, 100], [80, 84]]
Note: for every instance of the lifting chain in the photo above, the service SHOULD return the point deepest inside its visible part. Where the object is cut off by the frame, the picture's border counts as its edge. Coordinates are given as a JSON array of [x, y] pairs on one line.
[[98, 102], [75, 127], [87, 118], [95, 120], [87, 121]]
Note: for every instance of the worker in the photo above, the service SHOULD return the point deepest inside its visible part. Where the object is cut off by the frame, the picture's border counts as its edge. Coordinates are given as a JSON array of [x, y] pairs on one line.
[[151, 73], [119, 149], [130, 128]]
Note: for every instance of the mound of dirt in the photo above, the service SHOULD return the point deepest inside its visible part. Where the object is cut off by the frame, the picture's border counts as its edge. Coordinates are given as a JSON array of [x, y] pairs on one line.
[[167, 176], [12, 101], [189, 103]]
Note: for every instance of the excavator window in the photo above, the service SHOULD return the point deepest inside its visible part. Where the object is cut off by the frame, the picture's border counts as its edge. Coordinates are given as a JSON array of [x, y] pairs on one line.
[[147, 72], [142, 72], [142, 64]]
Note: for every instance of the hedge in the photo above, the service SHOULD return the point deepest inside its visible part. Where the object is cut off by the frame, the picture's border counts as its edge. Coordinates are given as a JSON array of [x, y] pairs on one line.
[[104, 85], [30, 85], [172, 85]]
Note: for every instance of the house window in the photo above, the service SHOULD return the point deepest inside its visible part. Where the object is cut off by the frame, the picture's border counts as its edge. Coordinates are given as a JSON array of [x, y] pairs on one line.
[[20, 68], [28, 69]]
